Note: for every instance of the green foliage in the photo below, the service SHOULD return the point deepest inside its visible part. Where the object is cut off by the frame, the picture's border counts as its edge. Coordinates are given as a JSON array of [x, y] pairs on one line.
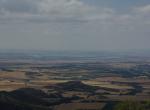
[[133, 105], [147, 104]]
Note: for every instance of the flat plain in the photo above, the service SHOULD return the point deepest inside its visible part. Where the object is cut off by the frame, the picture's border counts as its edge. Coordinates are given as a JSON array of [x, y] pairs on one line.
[[82, 84]]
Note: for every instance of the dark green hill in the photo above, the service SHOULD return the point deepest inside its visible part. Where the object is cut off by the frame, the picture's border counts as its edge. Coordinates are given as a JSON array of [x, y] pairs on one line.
[[29, 99], [74, 86]]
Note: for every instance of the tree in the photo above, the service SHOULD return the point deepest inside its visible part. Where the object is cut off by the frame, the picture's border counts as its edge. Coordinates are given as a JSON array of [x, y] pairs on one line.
[[131, 105]]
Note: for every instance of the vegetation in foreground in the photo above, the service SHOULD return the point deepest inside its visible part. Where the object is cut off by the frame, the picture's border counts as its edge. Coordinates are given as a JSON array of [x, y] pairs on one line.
[[33, 99], [133, 105]]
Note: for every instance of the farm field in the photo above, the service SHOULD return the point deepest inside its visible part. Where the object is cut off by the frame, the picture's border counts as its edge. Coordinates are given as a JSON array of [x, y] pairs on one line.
[[74, 84], [80, 106]]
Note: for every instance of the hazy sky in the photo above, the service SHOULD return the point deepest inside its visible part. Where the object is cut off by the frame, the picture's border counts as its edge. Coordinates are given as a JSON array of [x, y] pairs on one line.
[[75, 24]]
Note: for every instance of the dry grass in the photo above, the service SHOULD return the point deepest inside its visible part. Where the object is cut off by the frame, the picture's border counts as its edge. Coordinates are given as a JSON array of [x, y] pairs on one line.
[[129, 97], [72, 93], [48, 82], [9, 86], [80, 106], [13, 75], [107, 85]]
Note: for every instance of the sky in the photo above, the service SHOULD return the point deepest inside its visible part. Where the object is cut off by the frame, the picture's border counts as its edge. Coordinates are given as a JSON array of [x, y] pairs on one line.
[[84, 25]]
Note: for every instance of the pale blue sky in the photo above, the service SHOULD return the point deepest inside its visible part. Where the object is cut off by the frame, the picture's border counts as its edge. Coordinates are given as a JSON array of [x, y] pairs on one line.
[[91, 25]]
